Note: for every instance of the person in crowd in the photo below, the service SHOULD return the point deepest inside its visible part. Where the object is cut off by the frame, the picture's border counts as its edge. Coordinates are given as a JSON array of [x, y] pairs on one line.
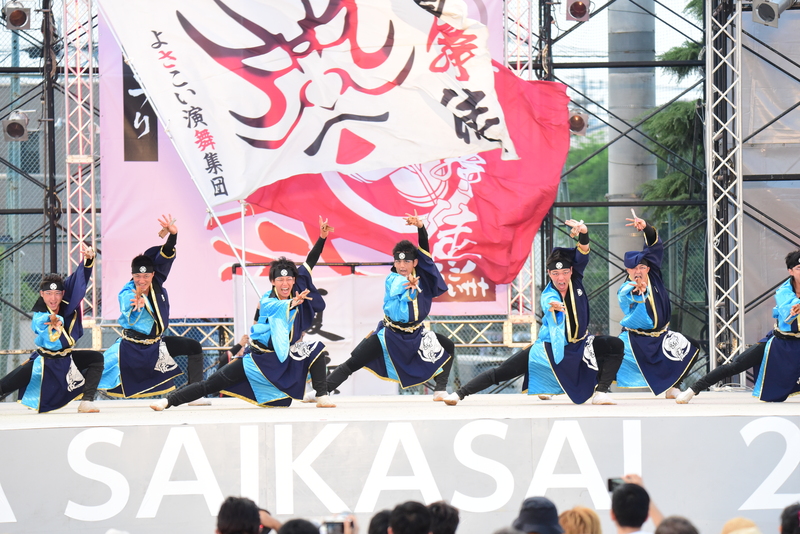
[[631, 506], [580, 520], [538, 515], [410, 517], [740, 525], [790, 519], [565, 358], [379, 524], [57, 373], [240, 515], [444, 518], [675, 524]]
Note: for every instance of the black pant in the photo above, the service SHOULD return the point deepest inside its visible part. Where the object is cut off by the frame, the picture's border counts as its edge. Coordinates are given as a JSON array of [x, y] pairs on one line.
[[750, 358], [608, 350], [232, 374], [88, 362], [370, 349], [179, 346]]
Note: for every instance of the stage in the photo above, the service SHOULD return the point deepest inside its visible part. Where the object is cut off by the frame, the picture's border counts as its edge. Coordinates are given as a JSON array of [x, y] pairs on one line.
[[726, 454]]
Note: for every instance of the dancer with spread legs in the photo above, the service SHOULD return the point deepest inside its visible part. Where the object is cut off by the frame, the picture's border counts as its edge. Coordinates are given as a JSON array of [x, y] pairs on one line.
[[565, 358], [140, 363], [655, 356], [57, 373], [275, 369], [775, 356], [401, 349]]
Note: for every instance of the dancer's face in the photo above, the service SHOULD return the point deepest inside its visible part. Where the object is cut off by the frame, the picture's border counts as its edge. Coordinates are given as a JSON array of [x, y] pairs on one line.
[[405, 267], [283, 286], [52, 298], [639, 273], [142, 281], [560, 279]]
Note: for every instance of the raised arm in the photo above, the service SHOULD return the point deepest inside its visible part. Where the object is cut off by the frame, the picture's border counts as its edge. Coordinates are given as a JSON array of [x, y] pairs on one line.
[[316, 251]]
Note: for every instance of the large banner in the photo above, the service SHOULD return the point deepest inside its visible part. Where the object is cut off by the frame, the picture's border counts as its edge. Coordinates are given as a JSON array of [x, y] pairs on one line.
[[258, 91], [481, 211]]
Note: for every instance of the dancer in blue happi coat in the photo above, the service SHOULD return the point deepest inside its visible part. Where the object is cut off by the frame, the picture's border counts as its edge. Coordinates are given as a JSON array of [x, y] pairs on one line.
[[140, 363], [57, 373], [401, 349], [275, 368], [565, 358], [655, 356], [776, 357]]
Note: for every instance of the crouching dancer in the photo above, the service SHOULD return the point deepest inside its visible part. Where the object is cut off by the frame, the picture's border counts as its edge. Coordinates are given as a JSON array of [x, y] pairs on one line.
[[274, 370], [565, 358], [56, 373], [140, 363], [401, 349], [776, 355]]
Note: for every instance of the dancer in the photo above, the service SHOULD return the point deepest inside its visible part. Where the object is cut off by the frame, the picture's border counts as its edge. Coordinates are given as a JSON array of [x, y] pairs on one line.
[[56, 373], [565, 358], [775, 355], [401, 349], [140, 363], [274, 370], [655, 356]]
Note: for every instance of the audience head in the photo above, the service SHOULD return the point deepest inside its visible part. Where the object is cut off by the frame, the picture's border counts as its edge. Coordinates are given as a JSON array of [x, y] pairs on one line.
[[410, 518], [538, 514], [630, 504], [379, 523], [238, 515], [580, 520], [298, 526], [444, 518], [675, 524], [790, 519], [740, 525]]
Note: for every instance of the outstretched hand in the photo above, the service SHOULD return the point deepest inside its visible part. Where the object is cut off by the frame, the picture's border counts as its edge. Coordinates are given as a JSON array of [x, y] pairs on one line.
[[556, 306], [324, 228], [413, 283], [637, 223], [167, 223], [87, 252], [298, 299], [577, 227], [413, 220]]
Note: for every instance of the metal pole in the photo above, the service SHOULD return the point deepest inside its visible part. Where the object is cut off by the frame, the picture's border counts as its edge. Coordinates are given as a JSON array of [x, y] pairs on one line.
[[49, 73]]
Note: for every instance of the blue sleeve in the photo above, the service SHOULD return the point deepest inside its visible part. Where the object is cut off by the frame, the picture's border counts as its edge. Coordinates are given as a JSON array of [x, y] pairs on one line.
[[129, 316], [785, 298], [397, 297], [75, 289]]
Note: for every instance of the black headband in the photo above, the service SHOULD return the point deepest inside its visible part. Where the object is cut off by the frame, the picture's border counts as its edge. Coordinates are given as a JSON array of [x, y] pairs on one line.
[[142, 264], [559, 263], [405, 255], [52, 285]]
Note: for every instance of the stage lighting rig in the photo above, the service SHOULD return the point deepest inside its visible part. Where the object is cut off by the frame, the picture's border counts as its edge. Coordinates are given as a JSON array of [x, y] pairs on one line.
[[578, 10], [17, 17], [578, 122], [15, 127], [767, 13]]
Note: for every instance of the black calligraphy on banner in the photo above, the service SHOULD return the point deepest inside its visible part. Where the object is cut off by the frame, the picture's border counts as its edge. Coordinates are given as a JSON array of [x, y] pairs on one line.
[[192, 115], [140, 126]]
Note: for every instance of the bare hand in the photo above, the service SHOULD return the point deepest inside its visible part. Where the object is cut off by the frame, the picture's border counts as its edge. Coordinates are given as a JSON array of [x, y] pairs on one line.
[[640, 286], [137, 302], [324, 228], [637, 223], [299, 298], [413, 283], [87, 252], [413, 220], [633, 479], [577, 227], [350, 525], [556, 306], [54, 323], [167, 223], [245, 340]]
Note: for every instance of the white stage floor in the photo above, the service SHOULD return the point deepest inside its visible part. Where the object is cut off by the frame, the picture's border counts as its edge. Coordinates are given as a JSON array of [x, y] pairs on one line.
[[128, 412]]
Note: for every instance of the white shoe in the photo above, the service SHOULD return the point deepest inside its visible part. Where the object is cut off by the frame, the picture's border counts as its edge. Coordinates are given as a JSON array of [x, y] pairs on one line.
[[672, 393], [601, 397], [87, 407], [685, 397], [202, 401], [159, 404], [439, 395], [310, 396], [325, 402], [545, 397], [452, 399]]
